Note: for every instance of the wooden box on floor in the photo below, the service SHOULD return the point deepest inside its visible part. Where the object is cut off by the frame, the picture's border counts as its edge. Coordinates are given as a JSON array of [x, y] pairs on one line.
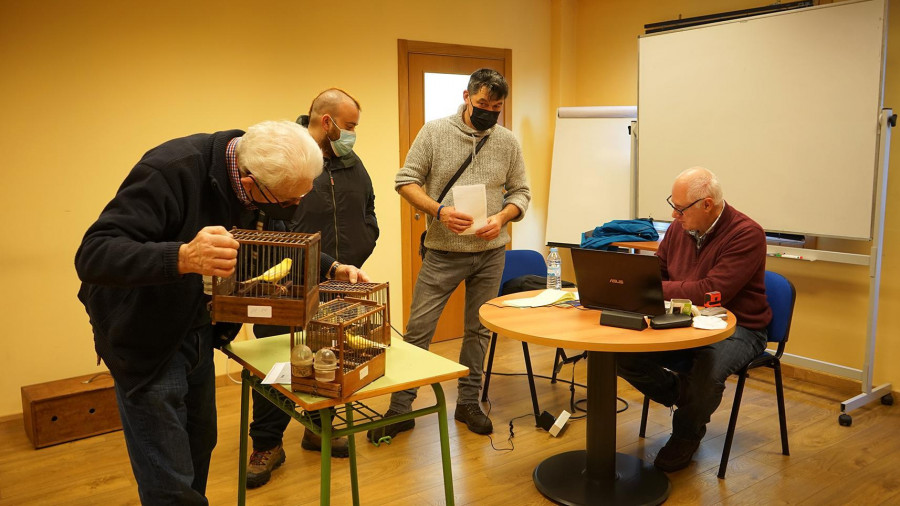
[[69, 409]]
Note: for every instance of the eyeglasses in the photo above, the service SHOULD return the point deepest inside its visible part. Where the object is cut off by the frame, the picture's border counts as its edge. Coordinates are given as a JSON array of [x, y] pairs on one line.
[[262, 190], [683, 209]]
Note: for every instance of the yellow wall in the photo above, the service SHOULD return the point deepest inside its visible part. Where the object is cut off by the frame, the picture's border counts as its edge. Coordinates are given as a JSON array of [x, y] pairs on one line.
[[832, 300], [87, 87]]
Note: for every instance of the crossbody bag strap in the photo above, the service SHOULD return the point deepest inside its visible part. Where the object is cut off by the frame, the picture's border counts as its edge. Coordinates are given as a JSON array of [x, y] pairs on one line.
[[462, 169]]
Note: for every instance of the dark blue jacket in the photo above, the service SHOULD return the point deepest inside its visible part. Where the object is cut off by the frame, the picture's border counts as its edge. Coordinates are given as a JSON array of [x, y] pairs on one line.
[[140, 307]]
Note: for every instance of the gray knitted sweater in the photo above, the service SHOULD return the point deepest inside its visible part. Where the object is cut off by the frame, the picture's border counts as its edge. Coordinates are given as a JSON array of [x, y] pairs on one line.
[[435, 156]]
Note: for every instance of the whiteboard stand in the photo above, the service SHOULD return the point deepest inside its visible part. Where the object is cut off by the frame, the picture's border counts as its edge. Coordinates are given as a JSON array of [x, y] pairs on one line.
[[882, 392]]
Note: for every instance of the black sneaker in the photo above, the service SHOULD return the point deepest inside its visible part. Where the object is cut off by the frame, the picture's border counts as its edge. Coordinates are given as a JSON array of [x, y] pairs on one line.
[[676, 454], [391, 430], [340, 447], [262, 464], [471, 415]]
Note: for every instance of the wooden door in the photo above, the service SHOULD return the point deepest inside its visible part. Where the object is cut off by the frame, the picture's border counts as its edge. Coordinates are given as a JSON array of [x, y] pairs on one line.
[[415, 60]]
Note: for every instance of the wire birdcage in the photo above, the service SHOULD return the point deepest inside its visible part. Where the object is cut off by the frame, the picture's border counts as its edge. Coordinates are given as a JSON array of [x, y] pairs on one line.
[[275, 280], [375, 292], [354, 330]]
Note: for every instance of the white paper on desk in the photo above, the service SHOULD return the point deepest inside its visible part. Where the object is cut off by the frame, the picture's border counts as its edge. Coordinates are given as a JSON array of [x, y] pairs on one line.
[[544, 298], [472, 200], [280, 373], [708, 323]]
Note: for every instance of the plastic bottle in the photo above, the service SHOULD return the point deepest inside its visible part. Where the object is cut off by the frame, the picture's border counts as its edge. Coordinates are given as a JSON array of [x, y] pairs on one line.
[[554, 270]]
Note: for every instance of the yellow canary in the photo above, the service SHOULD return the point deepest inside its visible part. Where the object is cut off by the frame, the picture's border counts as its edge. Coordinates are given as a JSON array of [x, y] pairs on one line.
[[359, 342], [274, 274]]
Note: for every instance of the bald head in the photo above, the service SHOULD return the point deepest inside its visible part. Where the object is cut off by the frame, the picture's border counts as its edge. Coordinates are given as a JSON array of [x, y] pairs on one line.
[[330, 101], [699, 182], [331, 111]]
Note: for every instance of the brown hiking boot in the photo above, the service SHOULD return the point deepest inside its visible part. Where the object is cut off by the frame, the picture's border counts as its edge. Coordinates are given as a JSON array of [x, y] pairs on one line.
[[340, 447], [262, 464], [475, 419]]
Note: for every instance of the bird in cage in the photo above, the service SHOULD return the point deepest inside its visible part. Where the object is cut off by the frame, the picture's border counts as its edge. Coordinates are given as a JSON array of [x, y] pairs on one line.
[[358, 342], [272, 276]]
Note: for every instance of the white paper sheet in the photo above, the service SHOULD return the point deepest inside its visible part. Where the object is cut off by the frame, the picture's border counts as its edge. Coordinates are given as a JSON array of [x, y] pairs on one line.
[[472, 200], [544, 298], [280, 373]]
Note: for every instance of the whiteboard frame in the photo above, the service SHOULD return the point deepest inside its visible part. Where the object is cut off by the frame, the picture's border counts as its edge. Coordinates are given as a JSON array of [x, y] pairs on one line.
[[856, 220]]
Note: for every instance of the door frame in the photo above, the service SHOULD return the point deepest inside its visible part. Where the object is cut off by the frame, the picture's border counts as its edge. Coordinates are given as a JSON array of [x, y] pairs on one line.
[[404, 49]]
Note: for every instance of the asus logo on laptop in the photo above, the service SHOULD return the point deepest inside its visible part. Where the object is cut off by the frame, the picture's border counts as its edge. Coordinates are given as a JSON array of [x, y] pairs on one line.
[[617, 281]]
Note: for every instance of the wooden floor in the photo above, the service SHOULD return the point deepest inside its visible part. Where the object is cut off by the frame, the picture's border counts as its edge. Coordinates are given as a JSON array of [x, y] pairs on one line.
[[829, 464]]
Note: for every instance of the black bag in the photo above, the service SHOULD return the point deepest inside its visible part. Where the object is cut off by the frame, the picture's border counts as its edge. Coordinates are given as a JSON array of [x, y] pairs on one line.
[[528, 282], [422, 248]]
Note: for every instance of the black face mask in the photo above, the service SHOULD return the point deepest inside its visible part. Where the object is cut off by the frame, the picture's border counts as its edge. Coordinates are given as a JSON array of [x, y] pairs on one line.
[[482, 119], [276, 212]]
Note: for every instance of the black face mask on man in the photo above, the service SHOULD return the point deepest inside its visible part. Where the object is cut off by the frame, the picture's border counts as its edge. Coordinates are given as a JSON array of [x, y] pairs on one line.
[[482, 119], [276, 211]]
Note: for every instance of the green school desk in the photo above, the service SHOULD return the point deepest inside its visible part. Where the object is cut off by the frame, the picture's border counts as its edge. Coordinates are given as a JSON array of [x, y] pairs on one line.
[[406, 366]]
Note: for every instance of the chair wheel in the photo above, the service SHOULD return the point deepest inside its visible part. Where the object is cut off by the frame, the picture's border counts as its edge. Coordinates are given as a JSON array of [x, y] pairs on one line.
[[845, 420], [887, 399]]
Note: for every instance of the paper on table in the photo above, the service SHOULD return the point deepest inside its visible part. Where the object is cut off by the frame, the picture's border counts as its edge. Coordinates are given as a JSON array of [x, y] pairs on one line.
[[280, 373], [544, 298], [708, 323], [472, 200]]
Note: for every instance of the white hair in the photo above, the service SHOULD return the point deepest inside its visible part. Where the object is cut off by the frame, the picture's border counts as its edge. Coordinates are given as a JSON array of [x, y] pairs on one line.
[[279, 154], [702, 183]]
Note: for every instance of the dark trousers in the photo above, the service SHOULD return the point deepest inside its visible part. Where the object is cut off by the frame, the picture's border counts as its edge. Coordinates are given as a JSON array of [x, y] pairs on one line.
[[170, 425], [269, 422], [704, 370]]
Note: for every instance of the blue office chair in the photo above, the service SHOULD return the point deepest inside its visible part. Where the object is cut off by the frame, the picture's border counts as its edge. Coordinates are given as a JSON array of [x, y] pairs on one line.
[[780, 294], [518, 263]]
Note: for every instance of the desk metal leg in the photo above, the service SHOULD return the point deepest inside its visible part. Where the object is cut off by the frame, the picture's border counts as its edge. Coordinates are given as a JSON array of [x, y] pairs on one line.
[[599, 475], [445, 442], [325, 476], [245, 427], [351, 442]]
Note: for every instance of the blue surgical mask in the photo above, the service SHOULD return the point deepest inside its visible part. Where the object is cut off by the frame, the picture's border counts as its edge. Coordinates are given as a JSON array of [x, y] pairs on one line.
[[344, 144]]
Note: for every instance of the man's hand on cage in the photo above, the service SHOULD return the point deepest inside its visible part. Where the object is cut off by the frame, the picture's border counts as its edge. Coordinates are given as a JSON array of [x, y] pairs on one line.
[[350, 273], [212, 252]]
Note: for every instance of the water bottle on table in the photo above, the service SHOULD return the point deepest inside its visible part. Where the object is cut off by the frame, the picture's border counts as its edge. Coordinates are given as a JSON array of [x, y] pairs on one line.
[[554, 270]]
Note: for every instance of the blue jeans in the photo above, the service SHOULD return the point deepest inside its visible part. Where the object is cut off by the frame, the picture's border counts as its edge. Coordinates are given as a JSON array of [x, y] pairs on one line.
[[441, 273], [704, 371], [170, 425]]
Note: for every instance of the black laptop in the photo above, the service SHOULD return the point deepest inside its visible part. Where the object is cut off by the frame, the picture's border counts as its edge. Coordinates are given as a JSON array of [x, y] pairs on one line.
[[621, 281]]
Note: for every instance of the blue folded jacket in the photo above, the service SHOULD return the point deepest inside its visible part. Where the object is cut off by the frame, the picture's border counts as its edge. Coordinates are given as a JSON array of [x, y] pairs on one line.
[[619, 231]]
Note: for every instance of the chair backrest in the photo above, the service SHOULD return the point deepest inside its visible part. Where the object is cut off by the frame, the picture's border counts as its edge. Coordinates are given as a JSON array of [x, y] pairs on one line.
[[520, 262], [780, 294]]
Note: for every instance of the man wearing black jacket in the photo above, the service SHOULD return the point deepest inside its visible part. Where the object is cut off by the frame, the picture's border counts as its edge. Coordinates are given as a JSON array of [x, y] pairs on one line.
[[141, 266], [341, 206]]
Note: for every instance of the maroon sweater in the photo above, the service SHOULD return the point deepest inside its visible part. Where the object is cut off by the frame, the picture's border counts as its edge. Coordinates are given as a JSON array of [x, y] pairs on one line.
[[732, 261]]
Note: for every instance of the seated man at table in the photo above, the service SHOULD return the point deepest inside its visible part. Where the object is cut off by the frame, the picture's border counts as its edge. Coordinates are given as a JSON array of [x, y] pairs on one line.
[[710, 246]]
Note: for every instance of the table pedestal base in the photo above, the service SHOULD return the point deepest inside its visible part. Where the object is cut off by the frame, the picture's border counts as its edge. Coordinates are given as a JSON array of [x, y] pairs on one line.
[[563, 478]]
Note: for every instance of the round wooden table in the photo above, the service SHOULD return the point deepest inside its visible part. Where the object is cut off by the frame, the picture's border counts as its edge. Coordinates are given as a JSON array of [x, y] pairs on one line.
[[596, 475]]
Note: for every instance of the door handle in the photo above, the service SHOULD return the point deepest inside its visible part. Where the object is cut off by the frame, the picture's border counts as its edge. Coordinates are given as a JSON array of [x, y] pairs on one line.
[[417, 216]]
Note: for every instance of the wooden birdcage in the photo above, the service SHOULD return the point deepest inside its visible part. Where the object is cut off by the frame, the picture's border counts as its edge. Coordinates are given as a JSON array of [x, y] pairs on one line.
[[275, 280], [376, 292], [355, 330]]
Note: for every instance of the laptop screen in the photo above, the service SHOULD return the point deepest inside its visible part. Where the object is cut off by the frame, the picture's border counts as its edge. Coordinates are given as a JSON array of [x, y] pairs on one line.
[[620, 281]]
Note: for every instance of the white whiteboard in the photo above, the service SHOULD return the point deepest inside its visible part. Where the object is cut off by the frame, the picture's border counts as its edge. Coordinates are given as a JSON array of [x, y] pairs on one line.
[[591, 176], [782, 107]]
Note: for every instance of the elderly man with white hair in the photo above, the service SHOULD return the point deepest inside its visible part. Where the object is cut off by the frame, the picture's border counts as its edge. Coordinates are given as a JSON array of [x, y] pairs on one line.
[[141, 266], [710, 246]]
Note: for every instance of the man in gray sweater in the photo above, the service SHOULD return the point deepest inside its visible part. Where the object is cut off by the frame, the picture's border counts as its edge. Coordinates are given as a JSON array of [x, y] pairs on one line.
[[453, 257]]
